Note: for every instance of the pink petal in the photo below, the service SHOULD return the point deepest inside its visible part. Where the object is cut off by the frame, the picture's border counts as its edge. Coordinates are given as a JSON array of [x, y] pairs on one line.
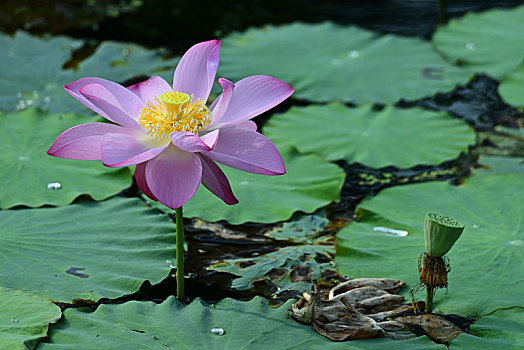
[[119, 150], [248, 124], [109, 104], [220, 104], [149, 89], [253, 96], [140, 176], [174, 176], [211, 139], [82, 141], [216, 181], [125, 98], [196, 70], [248, 151], [190, 142]]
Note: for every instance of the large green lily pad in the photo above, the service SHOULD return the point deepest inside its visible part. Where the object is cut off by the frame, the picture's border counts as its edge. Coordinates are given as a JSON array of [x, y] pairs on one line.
[[511, 88], [32, 72], [500, 165], [24, 318], [88, 250], [310, 183], [28, 176], [392, 136], [486, 261], [502, 330], [325, 62], [490, 42], [170, 325]]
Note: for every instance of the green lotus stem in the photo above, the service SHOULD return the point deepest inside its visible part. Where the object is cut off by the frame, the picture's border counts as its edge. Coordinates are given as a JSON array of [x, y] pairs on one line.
[[429, 299], [179, 253]]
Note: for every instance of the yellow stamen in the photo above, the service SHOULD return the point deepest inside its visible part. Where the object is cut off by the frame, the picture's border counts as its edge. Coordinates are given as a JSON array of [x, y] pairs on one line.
[[174, 111]]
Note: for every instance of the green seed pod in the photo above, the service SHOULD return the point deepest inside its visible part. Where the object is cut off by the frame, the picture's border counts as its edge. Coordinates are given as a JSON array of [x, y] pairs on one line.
[[440, 233]]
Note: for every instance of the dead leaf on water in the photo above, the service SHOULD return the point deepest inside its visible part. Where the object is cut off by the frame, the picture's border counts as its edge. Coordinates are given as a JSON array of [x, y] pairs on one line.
[[367, 308]]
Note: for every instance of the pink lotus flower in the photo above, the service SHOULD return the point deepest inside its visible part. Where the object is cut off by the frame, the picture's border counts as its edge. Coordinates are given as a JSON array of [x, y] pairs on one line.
[[171, 135]]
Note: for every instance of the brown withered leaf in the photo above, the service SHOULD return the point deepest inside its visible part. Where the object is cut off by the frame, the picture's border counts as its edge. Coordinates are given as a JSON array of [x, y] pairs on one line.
[[366, 308], [387, 284], [391, 312], [437, 327]]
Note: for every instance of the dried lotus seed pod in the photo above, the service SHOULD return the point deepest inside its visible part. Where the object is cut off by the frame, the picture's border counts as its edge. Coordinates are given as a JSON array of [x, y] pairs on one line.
[[440, 233]]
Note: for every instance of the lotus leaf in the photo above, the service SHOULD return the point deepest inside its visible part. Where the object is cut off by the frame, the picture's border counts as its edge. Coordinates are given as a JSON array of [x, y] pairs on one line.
[[326, 62], [490, 42], [392, 136], [29, 177], [500, 165], [486, 261], [499, 330], [24, 318], [33, 73], [309, 183], [88, 250], [245, 325], [511, 88]]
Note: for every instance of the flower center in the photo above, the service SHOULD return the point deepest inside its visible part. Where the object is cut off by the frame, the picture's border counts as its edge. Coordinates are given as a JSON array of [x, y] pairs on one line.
[[174, 111]]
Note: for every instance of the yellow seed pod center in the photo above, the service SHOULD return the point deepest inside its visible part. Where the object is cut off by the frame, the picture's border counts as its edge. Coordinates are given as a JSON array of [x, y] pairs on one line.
[[172, 112], [172, 100]]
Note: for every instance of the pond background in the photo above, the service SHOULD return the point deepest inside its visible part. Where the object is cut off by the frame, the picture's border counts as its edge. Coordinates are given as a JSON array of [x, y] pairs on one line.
[[179, 24], [174, 26]]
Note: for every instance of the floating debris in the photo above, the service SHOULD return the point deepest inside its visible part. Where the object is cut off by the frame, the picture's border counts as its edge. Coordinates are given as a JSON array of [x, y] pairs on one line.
[[218, 331], [54, 186], [391, 231], [471, 46]]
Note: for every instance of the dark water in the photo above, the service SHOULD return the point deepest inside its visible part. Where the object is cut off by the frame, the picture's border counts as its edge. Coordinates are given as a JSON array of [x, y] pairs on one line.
[[178, 24]]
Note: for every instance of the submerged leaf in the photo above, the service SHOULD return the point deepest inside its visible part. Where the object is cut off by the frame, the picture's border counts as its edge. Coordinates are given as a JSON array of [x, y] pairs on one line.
[[301, 229], [289, 268], [506, 142]]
